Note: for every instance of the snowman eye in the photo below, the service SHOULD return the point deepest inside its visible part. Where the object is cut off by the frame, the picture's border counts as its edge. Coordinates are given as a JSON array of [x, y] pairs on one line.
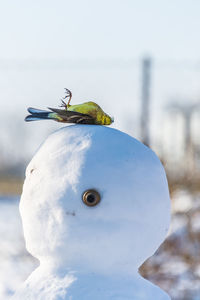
[[91, 197]]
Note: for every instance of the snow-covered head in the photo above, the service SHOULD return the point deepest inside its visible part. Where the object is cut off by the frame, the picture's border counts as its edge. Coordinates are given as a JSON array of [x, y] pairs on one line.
[[123, 229]]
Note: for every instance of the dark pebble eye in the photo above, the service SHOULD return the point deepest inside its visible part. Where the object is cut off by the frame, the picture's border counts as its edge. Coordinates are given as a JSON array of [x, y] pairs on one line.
[[91, 197]]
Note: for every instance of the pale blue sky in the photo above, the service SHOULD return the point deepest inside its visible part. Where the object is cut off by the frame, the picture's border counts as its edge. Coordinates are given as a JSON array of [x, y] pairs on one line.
[[106, 28], [95, 49]]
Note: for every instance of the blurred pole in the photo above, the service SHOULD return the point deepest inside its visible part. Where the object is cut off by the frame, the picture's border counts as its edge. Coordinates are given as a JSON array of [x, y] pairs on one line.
[[189, 147], [186, 110], [188, 138], [145, 101]]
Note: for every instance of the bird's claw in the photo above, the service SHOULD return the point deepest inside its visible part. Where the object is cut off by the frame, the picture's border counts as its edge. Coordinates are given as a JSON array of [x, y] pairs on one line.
[[63, 104], [68, 95]]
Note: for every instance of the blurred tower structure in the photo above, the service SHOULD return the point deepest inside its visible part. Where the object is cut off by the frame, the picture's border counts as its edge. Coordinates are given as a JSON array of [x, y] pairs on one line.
[[186, 110], [145, 101]]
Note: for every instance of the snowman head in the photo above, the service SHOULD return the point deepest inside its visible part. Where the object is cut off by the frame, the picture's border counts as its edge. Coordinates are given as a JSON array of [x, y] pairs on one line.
[[94, 198]]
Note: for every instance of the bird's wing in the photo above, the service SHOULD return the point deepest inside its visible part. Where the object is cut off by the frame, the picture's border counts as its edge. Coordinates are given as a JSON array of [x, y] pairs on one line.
[[73, 116]]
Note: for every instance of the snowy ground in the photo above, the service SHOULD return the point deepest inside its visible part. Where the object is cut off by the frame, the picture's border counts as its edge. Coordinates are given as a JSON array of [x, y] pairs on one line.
[[15, 262], [175, 266]]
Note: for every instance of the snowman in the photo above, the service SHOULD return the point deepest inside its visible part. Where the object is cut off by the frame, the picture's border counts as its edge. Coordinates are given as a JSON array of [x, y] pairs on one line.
[[95, 205]]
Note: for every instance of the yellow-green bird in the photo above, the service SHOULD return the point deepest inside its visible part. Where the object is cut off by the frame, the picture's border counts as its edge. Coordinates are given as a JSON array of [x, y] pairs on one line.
[[85, 113]]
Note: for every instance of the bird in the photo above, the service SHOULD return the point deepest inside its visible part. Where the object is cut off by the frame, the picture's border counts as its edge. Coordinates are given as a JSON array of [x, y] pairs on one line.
[[85, 113]]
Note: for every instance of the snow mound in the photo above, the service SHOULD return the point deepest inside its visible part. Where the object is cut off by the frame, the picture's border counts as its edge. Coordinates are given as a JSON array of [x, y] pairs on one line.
[[93, 251]]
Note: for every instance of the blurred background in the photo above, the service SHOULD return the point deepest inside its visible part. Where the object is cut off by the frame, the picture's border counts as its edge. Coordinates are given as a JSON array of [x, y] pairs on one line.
[[140, 61]]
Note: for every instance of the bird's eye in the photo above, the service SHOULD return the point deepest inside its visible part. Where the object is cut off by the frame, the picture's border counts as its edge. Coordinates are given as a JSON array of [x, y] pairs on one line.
[[91, 197]]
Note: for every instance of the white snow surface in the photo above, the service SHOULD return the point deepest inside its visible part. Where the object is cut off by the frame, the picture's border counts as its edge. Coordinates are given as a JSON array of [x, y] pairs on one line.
[[12, 272], [93, 252]]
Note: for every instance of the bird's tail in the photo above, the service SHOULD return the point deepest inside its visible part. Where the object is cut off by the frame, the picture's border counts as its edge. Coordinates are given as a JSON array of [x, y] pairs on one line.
[[38, 114]]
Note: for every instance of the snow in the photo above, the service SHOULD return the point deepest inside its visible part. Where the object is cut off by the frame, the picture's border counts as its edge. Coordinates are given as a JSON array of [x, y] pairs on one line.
[[13, 272], [175, 266], [178, 225], [93, 252], [182, 202], [195, 222]]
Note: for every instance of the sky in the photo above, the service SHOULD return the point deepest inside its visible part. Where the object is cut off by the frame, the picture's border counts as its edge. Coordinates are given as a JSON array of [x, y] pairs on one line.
[[100, 29], [95, 49]]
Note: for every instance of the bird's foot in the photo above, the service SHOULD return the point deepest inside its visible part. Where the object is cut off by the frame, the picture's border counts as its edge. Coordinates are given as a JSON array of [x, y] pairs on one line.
[[68, 95], [63, 104]]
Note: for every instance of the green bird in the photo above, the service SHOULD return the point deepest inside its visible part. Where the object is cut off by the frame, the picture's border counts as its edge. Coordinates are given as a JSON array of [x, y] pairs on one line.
[[85, 113]]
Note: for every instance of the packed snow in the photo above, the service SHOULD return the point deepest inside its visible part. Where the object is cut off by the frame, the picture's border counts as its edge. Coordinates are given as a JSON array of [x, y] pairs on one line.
[[93, 252], [179, 248]]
